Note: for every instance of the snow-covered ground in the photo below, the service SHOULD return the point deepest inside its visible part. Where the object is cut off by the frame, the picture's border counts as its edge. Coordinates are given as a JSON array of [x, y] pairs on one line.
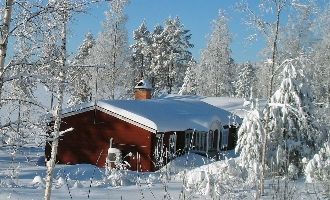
[[188, 177]]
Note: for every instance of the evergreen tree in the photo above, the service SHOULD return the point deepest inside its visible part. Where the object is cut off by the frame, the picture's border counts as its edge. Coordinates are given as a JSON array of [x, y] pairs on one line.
[[293, 128], [80, 74], [189, 82], [170, 56], [141, 52], [216, 65], [318, 168], [249, 143], [246, 81]]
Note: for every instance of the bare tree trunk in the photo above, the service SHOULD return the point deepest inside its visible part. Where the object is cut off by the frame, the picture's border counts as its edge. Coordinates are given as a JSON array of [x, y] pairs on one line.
[[270, 93], [4, 40], [58, 111]]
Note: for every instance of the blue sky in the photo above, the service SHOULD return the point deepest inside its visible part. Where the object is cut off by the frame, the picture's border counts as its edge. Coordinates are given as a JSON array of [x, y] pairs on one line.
[[196, 15]]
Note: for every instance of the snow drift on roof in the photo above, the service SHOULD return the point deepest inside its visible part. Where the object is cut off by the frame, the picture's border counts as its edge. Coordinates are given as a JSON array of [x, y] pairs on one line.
[[170, 113], [143, 84]]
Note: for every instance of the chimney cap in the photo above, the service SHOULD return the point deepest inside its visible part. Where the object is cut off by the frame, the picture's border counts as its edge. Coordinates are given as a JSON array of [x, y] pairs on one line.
[[143, 84]]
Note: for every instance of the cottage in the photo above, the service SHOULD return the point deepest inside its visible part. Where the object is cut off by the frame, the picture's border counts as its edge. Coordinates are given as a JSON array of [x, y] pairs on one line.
[[147, 132]]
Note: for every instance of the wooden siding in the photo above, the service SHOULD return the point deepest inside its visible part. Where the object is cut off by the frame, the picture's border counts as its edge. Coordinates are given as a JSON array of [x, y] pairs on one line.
[[89, 141]]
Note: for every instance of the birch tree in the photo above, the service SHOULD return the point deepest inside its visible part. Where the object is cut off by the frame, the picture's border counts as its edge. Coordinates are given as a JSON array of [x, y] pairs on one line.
[[110, 52], [5, 35], [321, 58], [19, 84], [57, 22], [270, 30]]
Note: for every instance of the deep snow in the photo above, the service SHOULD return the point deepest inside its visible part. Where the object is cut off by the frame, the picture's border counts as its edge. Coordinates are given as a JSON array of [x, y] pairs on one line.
[[188, 177]]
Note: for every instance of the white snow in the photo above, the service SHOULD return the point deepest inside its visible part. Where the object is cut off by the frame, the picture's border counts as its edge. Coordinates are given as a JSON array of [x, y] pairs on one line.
[[237, 106], [171, 113], [143, 84], [195, 176]]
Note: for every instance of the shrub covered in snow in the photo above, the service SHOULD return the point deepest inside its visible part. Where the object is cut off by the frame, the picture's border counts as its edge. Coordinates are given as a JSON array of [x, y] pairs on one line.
[[318, 168], [216, 179]]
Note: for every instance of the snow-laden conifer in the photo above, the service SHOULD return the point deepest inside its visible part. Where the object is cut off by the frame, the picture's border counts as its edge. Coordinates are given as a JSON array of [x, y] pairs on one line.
[[249, 142], [318, 168], [293, 127], [216, 66], [189, 82], [141, 52], [245, 81], [170, 56], [80, 73]]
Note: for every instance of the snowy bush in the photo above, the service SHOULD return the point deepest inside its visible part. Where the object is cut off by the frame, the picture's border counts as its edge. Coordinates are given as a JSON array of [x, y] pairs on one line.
[[293, 171], [318, 168], [216, 179], [38, 181]]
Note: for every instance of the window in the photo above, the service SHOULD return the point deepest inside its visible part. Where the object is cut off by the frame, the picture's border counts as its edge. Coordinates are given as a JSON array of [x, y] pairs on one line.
[[188, 139], [159, 149], [172, 145]]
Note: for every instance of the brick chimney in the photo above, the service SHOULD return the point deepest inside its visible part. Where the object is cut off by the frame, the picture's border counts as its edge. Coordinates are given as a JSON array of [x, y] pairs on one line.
[[143, 90]]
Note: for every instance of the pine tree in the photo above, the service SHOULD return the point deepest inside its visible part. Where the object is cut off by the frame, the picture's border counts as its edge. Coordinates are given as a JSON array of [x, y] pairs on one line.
[[170, 56], [246, 81], [141, 50], [80, 73], [189, 82], [294, 130], [249, 143], [216, 64]]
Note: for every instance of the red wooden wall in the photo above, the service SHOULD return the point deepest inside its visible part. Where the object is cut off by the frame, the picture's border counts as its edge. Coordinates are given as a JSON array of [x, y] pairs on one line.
[[89, 141]]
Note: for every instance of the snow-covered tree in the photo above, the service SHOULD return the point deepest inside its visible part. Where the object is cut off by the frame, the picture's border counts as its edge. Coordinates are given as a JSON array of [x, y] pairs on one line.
[[5, 35], [19, 83], [110, 53], [216, 67], [246, 80], [55, 65], [296, 36], [189, 82], [170, 56], [141, 52], [80, 73], [293, 128], [320, 70], [249, 143], [270, 31], [318, 168]]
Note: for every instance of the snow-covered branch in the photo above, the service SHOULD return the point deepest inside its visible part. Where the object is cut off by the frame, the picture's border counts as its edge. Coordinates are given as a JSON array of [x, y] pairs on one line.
[[52, 137], [35, 103]]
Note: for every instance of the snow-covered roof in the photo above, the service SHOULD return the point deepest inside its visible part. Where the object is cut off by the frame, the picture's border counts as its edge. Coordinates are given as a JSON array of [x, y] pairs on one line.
[[143, 84], [237, 106], [230, 104], [163, 114]]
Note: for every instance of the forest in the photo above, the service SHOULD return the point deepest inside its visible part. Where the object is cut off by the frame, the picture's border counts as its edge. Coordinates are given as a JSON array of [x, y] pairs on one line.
[[289, 137]]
